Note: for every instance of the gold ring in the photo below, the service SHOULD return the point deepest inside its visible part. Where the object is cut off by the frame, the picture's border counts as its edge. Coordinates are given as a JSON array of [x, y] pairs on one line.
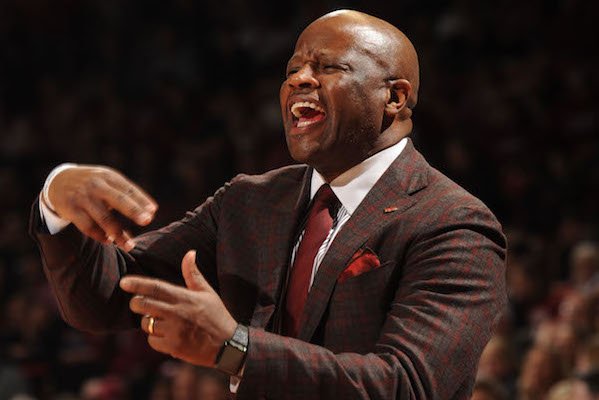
[[151, 325]]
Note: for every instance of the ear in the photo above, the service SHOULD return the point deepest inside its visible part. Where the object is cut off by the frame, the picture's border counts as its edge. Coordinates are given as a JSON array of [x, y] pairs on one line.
[[399, 91]]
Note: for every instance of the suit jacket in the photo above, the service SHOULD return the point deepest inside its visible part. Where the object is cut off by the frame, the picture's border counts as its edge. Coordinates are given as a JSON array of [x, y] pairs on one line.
[[411, 328]]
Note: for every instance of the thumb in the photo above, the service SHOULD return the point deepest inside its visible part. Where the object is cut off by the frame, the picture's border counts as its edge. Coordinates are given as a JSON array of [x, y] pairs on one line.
[[194, 279]]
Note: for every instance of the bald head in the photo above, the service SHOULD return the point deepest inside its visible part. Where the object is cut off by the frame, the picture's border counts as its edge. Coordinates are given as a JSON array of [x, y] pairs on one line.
[[388, 46], [349, 89]]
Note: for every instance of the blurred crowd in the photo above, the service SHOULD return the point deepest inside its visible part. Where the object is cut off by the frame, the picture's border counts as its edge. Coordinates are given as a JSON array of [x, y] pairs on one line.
[[182, 95]]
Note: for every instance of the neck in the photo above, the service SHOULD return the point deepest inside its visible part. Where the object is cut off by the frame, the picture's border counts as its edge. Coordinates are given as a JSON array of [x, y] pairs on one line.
[[389, 137]]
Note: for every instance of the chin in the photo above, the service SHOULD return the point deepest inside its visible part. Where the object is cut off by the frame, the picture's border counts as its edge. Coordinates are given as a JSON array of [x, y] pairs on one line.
[[299, 156], [299, 150]]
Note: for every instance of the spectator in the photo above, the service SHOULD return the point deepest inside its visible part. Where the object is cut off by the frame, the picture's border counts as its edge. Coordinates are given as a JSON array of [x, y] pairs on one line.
[[569, 389], [541, 369], [130, 74], [488, 390], [587, 356], [584, 265], [498, 363], [191, 382]]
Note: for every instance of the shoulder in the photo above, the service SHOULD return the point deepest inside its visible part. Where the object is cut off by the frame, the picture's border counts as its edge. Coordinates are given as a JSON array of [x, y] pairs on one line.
[[273, 186], [439, 202], [447, 192], [244, 193], [449, 206], [286, 175], [433, 191]]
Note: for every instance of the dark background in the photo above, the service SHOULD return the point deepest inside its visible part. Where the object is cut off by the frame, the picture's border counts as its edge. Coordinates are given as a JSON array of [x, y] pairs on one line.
[[182, 95]]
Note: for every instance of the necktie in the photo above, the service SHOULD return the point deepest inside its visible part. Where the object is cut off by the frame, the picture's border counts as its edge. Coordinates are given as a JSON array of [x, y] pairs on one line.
[[317, 228]]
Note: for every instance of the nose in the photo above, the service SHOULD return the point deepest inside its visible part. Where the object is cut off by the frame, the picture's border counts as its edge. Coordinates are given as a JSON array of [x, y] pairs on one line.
[[303, 78]]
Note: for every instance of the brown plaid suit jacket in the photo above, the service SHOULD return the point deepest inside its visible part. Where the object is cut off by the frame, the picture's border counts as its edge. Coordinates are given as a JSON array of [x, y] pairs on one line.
[[412, 328]]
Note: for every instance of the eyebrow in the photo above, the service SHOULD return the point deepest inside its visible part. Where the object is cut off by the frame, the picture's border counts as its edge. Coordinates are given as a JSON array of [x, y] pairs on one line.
[[364, 48], [316, 54]]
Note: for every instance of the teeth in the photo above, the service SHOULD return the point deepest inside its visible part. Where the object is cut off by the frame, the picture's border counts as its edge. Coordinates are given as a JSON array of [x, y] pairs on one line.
[[302, 124], [295, 108]]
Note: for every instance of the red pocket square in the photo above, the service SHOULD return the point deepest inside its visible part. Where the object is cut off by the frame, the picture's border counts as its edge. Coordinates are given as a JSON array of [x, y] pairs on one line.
[[363, 261]]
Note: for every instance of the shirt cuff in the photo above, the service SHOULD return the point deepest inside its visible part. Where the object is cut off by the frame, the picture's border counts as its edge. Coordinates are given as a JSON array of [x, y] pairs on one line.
[[53, 222], [235, 381]]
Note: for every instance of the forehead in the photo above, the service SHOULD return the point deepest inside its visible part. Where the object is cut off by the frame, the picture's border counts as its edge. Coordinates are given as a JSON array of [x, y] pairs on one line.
[[322, 39]]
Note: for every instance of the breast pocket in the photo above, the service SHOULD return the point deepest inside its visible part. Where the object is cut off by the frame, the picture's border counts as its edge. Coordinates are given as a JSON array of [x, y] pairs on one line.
[[369, 284], [358, 309]]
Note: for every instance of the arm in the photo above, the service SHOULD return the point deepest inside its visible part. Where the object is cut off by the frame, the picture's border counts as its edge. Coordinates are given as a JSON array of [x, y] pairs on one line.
[[445, 306], [442, 315], [84, 273]]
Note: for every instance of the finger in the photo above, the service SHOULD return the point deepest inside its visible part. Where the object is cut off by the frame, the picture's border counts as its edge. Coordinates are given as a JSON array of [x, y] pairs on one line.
[[121, 201], [157, 327], [110, 224], [194, 279], [158, 343], [153, 288], [88, 226], [124, 241], [147, 306], [139, 196]]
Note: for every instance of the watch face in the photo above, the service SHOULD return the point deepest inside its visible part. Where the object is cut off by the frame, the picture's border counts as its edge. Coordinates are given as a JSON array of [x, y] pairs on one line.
[[232, 355], [231, 360]]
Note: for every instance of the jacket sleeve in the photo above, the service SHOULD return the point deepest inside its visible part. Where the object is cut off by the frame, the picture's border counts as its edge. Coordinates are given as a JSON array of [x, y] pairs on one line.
[[84, 274], [442, 315]]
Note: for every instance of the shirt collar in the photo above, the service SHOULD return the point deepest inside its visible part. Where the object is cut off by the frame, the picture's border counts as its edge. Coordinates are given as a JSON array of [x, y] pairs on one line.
[[354, 184]]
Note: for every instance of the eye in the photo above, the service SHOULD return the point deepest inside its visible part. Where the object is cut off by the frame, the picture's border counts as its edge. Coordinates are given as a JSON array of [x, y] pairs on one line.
[[292, 71], [332, 68]]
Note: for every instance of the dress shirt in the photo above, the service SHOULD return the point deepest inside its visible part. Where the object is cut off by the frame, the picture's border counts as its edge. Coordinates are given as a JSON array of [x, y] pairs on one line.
[[53, 222]]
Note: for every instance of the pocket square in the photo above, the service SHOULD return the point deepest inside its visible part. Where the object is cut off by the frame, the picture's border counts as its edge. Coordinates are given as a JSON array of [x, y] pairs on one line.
[[363, 261]]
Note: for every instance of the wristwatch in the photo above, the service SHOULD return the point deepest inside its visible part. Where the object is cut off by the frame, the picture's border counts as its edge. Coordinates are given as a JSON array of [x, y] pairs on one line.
[[231, 356]]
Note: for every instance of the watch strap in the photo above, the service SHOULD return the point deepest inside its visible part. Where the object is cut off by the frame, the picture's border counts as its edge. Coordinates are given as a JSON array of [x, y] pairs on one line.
[[232, 354]]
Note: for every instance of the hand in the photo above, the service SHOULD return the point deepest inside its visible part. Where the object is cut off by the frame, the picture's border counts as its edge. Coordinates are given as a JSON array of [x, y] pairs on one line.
[[189, 323], [86, 196]]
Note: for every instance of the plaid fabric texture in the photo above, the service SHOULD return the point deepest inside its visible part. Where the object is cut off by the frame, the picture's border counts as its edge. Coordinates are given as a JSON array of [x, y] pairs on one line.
[[413, 328]]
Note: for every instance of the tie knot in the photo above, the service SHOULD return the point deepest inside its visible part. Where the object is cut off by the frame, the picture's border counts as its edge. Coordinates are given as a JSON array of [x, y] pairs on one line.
[[325, 198]]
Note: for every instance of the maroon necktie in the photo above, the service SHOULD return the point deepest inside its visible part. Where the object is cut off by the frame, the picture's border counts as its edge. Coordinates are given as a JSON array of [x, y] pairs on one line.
[[317, 228]]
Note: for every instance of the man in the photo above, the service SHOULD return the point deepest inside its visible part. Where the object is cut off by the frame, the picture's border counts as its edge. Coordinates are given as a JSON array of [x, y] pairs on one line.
[[363, 274]]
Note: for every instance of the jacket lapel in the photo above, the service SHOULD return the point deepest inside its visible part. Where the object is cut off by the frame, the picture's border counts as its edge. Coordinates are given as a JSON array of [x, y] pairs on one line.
[[283, 215], [385, 202]]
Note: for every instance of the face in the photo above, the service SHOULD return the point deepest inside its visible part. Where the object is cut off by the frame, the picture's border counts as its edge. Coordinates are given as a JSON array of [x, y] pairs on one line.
[[334, 97]]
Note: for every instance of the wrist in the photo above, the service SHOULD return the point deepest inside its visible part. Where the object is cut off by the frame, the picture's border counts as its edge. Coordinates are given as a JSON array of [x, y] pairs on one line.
[[45, 197], [231, 357], [53, 222]]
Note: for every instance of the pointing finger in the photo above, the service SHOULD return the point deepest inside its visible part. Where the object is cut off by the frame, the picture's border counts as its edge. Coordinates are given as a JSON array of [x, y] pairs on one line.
[[147, 306], [152, 288]]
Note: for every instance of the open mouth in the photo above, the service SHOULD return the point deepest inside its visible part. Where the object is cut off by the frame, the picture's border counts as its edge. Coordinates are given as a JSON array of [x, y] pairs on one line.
[[306, 113]]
